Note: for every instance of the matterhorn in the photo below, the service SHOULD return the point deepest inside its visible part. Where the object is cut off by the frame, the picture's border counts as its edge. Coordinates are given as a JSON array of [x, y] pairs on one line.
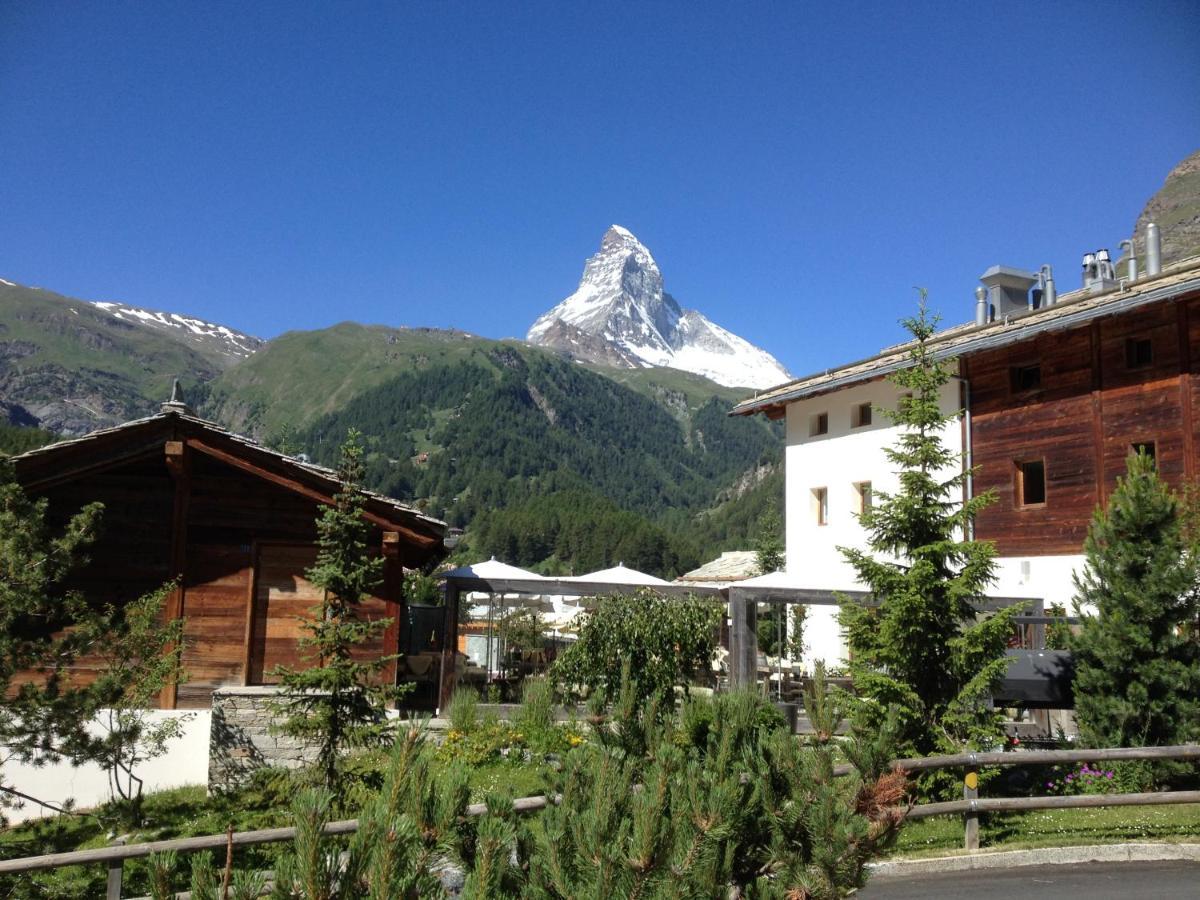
[[620, 316]]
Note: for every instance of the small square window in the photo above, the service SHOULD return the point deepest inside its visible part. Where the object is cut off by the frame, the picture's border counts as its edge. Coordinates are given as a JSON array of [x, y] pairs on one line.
[[863, 490], [1025, 378], [1139, 352], [820, 498], [818, 424], [1031, 482], [860, 415], [1146, 447]]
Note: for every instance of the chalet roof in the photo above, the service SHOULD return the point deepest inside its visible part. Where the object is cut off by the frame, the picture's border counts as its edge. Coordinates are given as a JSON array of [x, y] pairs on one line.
[[106, 447], [732, 565], [1072, 309]]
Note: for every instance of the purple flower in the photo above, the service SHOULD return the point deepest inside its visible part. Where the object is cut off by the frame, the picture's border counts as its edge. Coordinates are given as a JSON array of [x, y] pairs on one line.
[[1108, 775]]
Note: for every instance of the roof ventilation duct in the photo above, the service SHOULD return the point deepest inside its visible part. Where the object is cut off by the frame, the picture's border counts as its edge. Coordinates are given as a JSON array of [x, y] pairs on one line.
[[983, 309], [1128, 249], [1153, 251], [1098, 272], [1046, 286], [1008, 292]]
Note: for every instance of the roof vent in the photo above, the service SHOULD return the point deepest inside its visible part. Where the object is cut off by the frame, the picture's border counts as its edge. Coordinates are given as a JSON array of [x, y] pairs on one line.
[[177, 404], [1007, 293], [1098, 272]]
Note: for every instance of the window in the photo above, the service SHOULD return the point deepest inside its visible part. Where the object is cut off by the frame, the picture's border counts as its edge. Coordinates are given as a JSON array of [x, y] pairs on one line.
[[863, 490], [1025, 378], [1146, 447], [1139, 352], [860, 415], [1031, 482], [820, 498], [818, 424]]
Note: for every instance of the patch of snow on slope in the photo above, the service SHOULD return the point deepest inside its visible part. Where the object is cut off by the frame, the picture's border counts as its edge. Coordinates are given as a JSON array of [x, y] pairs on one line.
[[234, 342]]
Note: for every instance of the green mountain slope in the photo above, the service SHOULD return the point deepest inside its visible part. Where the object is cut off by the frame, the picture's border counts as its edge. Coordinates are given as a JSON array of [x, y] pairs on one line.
[[302, 375], [70, 367]]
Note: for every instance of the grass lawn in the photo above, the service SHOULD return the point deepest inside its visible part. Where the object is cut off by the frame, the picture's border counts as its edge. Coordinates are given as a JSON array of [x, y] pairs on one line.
[[1053, 828]]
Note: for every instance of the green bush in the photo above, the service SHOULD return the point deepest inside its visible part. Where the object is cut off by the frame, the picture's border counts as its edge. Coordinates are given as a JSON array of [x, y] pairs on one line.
[[666, 641]]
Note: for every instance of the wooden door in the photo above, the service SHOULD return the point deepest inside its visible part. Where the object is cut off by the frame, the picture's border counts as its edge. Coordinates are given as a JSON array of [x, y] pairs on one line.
[[283, 598], [215, 594]]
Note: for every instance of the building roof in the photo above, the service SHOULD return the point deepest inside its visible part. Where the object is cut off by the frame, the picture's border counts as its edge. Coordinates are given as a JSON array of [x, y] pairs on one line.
[[732, 565], [108, 447], [1072, 309]]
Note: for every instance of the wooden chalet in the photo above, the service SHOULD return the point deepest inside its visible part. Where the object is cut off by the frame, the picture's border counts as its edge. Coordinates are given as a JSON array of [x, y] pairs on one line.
[[234, 523]]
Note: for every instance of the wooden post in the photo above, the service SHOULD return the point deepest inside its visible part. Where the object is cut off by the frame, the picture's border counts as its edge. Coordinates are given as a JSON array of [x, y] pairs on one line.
[[178, 464], [743, 640], [971, 817], [393, 595], [115, 873], [449, 675]]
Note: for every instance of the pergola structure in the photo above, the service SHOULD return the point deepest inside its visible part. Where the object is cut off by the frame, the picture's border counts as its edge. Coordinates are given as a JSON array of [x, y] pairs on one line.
[[742, 598]]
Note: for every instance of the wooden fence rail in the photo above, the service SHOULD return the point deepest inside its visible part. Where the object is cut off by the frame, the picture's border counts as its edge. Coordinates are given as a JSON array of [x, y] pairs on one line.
[[970, 807]]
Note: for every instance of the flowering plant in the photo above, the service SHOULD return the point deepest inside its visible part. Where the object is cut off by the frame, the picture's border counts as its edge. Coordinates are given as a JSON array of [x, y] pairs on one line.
[[1086, 779]]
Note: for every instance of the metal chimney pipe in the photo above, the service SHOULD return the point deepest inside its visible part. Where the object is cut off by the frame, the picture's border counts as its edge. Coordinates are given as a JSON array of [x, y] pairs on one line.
[[1127, 246], [1153, 251], [1049, 294], [981, 306]]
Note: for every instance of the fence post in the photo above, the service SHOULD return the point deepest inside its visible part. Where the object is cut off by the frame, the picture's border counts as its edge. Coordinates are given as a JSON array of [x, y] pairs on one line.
[[971, 817], [115, 873]]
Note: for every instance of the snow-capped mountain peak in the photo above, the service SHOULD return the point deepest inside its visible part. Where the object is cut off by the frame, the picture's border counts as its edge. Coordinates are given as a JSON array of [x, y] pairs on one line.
[[620, 315]]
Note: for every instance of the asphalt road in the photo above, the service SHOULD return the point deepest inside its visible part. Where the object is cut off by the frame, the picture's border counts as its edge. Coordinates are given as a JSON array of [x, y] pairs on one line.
[[1084, 881]]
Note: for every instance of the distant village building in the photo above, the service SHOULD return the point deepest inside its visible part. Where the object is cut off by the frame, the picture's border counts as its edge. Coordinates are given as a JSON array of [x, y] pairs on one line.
[[234, 523], [1054, 392]]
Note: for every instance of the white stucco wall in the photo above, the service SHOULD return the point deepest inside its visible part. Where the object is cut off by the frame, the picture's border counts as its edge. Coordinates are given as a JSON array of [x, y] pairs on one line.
[[186, 762], [838, 460]]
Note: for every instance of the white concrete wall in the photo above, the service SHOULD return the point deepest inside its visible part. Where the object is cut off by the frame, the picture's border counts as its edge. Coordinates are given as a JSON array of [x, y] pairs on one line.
[[1049, 578], [186, 762], [838, 460]]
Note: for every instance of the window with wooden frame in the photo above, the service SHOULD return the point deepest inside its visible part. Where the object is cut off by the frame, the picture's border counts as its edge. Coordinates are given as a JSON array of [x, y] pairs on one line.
[[1147, 447], [1139, 353], [1023, 379], [818, 424], [862, 491], [1031, 482], [860, 415], [820, 503]]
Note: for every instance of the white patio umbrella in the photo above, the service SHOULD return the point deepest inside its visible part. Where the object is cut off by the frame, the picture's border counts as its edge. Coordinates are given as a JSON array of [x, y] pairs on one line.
[[618, 574]]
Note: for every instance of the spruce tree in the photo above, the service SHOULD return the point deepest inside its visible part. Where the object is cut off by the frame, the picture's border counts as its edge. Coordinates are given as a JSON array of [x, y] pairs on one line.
[[923, 647], [44, 628], [1137, 670], [339, 702]]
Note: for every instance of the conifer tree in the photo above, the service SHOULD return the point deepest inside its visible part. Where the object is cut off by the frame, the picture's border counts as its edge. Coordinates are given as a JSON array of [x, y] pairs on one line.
[[923, 648], [339, 702], [40, 719], [1137, 670]]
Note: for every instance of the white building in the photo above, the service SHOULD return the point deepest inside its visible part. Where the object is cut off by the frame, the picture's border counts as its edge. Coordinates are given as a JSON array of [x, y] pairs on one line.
[[1052, 393]]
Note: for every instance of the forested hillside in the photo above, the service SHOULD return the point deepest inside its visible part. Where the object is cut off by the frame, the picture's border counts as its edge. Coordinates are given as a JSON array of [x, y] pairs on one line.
[[552, 464]]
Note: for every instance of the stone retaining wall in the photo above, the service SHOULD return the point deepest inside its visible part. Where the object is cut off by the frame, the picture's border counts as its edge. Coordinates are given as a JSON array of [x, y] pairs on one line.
[[243, 738]]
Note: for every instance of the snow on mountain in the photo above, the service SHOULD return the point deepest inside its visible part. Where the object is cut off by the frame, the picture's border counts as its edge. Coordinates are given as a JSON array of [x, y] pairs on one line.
[[620, 315], [218, 338]]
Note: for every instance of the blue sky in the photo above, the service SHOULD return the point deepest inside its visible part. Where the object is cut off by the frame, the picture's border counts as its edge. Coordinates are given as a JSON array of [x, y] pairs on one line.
[[795, 168]]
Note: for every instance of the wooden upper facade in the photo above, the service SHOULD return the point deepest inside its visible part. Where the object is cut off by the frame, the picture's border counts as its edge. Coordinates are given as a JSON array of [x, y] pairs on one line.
[[1077, 402], [233, 523]]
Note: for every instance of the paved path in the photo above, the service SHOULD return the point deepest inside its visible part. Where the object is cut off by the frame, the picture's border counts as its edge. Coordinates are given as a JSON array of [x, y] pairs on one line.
[[1085, 881]]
